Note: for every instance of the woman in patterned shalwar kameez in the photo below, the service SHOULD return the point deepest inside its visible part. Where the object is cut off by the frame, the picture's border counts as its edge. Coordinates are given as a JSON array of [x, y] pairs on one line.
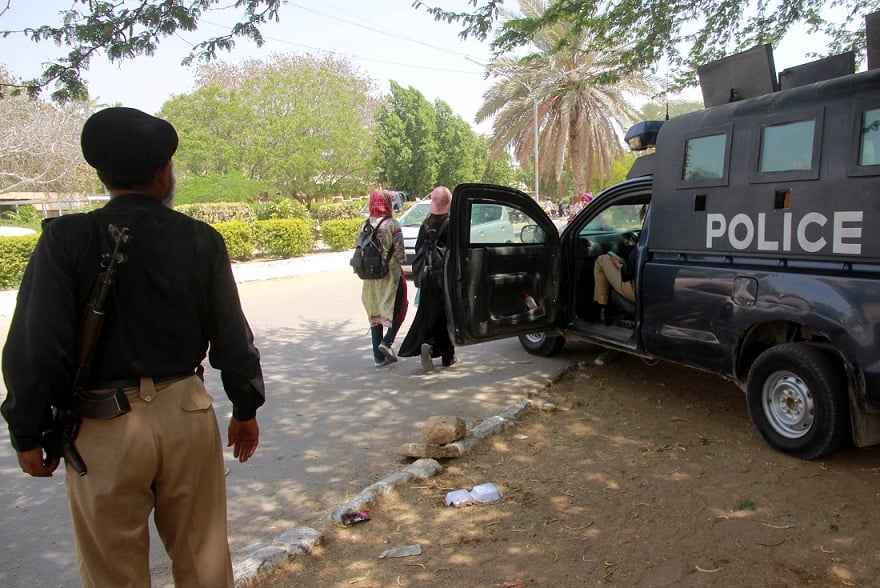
[[385, 299]]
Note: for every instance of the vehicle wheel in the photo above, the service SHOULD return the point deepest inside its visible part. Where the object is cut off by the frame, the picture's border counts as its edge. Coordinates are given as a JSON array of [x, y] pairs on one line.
[[798, 400], [542, 344]]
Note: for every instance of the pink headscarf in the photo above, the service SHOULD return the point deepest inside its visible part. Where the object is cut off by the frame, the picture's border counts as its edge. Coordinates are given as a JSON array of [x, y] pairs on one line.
[[380, 204], [441, 199]]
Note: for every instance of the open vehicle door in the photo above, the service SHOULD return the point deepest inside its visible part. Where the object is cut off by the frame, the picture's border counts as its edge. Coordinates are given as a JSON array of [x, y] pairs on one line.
[[502, 266]]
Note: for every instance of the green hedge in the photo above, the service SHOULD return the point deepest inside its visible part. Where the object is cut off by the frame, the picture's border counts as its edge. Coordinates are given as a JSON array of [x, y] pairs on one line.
[[219, 212], [283, 237], [340, 210], [237, 223], [280, 208], [15, 252], [340, 235], [239, 239]]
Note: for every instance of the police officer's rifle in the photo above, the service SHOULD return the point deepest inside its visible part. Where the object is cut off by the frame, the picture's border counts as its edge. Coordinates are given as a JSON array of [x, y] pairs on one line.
[[58, 440]]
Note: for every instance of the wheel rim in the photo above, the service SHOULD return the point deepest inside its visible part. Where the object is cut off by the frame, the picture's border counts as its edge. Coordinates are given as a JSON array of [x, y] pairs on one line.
[[788, 404], [534, 338]]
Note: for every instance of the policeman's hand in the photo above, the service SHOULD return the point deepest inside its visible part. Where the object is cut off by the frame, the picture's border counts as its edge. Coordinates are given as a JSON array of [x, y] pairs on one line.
[[616, 262], [31, 462], [244, 436]]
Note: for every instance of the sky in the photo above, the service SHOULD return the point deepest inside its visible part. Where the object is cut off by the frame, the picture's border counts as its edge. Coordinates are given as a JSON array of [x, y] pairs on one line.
[[385, 39]]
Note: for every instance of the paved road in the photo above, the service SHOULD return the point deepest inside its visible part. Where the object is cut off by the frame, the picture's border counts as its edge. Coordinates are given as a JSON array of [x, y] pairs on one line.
[[329, 427]]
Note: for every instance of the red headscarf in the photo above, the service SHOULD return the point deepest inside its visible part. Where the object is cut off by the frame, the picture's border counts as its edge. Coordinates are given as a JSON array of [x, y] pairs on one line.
[[380, 204]]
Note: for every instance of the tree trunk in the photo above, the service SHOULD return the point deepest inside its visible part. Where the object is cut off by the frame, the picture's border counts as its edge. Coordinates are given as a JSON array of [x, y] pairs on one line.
[[576, 161]]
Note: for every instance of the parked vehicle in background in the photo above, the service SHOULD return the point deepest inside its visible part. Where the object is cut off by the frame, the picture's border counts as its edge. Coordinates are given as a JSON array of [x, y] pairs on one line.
[[409, 223], [399, 199], [15, 231], [491, 223]]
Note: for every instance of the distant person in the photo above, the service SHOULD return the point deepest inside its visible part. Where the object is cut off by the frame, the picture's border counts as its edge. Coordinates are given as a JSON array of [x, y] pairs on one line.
[[148, 433], [385, 299], [397, 201], [580, 202], [428, 337], [560, 208]]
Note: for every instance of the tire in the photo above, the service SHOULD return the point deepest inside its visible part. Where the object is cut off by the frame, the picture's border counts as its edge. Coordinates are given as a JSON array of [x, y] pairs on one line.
[[797, 397], [542, 344]]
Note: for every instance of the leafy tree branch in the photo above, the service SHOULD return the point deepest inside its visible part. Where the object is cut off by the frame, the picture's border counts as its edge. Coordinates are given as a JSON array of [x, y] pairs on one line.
[[124, 30], [688, 33]]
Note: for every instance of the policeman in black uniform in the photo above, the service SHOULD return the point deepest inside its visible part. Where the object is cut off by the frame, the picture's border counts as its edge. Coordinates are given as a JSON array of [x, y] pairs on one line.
[[173, 302]]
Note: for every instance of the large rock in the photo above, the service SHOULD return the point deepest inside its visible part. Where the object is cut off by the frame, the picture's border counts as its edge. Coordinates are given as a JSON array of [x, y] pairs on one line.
[[440, 430]]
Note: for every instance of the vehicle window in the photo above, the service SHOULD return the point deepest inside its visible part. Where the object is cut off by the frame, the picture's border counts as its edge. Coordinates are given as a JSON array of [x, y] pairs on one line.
[[705, 157], [617, 219], [500, 224], [485, 213], [869, 151], [787, 147]]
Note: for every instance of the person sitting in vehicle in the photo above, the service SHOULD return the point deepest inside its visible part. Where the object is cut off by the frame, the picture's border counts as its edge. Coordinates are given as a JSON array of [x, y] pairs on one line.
[[612, 271]]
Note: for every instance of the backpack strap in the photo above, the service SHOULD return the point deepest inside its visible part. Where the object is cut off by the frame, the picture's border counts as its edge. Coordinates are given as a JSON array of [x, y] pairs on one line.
[[390, 249], [442, 227]]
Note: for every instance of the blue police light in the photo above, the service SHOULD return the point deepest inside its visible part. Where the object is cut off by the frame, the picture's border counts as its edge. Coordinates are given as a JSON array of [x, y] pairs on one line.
[[643, 135]]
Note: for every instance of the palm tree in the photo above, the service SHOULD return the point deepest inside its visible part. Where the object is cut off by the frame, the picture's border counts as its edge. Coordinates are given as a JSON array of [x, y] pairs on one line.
[[582, 108]]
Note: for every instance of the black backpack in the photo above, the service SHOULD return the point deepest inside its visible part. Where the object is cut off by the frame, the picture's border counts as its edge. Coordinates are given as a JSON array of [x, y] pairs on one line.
[[427, 266], [368, 261]]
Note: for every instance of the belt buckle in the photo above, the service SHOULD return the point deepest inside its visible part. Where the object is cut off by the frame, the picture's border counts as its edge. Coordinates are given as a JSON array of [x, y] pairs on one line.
[[122, 404]]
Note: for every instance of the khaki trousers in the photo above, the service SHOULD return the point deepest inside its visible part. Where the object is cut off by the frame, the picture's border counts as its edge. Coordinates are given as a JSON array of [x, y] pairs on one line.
[[605, 276], [165, 457]]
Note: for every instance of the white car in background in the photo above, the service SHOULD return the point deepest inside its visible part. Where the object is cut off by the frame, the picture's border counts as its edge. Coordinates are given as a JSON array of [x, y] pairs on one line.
[[490, 223], [410, 222], [16, 231]]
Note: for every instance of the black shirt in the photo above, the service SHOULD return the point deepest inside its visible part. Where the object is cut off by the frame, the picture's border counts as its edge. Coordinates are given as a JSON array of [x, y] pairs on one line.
[[174, 297]]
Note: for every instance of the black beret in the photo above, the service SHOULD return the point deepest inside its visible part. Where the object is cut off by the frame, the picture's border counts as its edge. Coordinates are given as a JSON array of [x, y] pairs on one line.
[[127, 142]]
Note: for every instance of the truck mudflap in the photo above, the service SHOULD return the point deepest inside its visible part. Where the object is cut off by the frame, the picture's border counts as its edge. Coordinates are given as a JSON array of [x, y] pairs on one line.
[[865, 414], [865, 426]]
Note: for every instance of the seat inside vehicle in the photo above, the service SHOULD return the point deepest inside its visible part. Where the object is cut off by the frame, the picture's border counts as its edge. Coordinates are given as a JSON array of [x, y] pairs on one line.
[[616, 229]]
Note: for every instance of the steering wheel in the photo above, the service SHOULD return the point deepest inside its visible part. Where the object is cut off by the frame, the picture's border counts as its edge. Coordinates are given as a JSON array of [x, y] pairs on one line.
[[630, 238]]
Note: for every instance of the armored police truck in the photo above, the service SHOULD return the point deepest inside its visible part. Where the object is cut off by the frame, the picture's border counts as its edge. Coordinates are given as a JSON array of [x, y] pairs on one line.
[[756, 225]]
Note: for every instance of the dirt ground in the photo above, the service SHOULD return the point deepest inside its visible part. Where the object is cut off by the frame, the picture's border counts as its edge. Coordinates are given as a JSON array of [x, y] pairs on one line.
[[645, 476]]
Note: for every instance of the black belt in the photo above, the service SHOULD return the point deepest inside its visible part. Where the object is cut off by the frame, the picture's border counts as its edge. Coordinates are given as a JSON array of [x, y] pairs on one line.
[[132, 382], [104, 399]]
